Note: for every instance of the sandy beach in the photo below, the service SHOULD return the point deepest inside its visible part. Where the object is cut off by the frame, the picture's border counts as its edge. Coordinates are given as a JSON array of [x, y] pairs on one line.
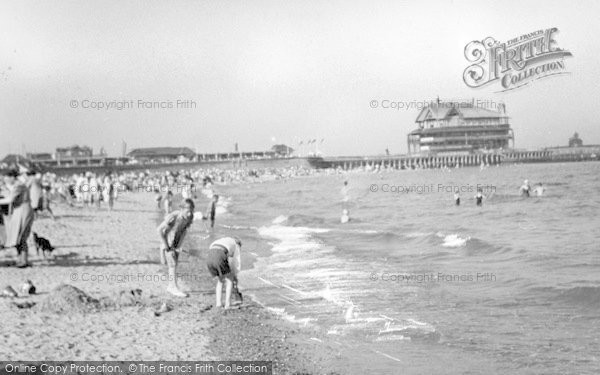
[[112, 260]]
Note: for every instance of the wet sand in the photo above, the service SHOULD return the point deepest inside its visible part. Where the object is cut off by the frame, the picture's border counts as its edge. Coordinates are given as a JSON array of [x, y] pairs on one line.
[[110, 256]]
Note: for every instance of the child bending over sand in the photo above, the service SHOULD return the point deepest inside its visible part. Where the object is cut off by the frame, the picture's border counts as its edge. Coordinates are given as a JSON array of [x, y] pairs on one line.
[[224, 263]]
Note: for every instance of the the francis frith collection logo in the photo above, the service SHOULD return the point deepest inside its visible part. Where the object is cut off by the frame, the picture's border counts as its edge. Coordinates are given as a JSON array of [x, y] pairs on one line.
[[514, 63]]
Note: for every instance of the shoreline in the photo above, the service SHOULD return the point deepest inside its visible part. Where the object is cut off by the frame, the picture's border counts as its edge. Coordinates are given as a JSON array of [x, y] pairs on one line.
[[107, 255], [251, 331]]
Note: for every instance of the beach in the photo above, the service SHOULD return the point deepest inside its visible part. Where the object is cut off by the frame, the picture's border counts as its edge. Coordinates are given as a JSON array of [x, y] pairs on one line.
[[109, 254], [411, 281]]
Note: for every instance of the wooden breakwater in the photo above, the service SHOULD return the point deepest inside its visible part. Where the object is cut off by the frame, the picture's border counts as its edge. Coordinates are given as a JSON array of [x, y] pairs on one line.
[[449, 161]]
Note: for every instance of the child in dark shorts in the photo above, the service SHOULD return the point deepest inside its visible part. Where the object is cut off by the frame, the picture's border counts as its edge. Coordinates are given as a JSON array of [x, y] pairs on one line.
[[217, 262], [223, 262]]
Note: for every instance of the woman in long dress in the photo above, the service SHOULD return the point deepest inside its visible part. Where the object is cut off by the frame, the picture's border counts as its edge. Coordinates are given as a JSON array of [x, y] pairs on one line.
[[20, 217]]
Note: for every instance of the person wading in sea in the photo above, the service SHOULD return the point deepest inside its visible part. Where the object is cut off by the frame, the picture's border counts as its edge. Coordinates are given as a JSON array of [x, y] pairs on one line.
[[479, 197]]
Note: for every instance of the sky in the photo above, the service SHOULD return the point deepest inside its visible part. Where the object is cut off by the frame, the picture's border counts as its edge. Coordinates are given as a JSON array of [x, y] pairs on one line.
[[262, 72]]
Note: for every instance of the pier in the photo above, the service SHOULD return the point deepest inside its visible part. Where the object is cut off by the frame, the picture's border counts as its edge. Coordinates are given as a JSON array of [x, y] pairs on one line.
[[453, 161]]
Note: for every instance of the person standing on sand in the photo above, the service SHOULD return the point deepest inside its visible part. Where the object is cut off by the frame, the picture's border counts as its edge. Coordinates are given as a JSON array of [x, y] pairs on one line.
[[108, 191], [86, 193], [224, 262], [34, 183], [80, 182], [20, 219], [45, 205], [95, 192], [167, 202], [172, 231]]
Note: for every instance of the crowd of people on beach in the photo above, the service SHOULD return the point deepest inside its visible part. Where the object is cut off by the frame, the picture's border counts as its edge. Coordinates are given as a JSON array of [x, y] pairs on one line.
[[26, 196]]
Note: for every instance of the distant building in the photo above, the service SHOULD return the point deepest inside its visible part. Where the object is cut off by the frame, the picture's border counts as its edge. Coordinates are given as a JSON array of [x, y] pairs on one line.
[[74, 152], [576, 150], [162, 154], [40, 157], [77, 156], [460, 127], [13, 161], [72, 156], [282, 150], [575, 141], [82, 156]]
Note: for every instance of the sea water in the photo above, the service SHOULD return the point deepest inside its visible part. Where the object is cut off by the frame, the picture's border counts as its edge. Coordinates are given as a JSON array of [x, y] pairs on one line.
[[416, 282]]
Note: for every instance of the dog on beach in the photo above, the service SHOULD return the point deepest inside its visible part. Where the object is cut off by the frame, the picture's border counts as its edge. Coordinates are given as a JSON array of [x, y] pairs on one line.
[[42, 243]]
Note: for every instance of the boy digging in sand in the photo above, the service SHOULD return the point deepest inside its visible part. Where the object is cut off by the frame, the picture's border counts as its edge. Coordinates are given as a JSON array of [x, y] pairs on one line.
[[224, 262], [172, 231]]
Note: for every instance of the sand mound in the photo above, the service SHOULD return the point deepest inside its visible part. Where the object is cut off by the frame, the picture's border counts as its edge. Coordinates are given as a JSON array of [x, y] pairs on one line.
[[66, 298]]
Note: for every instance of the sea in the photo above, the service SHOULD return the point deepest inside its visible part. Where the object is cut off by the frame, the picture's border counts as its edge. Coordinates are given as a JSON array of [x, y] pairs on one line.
[[414, 283]]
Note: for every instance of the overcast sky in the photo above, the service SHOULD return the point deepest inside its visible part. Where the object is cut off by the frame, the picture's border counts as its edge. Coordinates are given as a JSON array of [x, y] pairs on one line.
[[283, 71]]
